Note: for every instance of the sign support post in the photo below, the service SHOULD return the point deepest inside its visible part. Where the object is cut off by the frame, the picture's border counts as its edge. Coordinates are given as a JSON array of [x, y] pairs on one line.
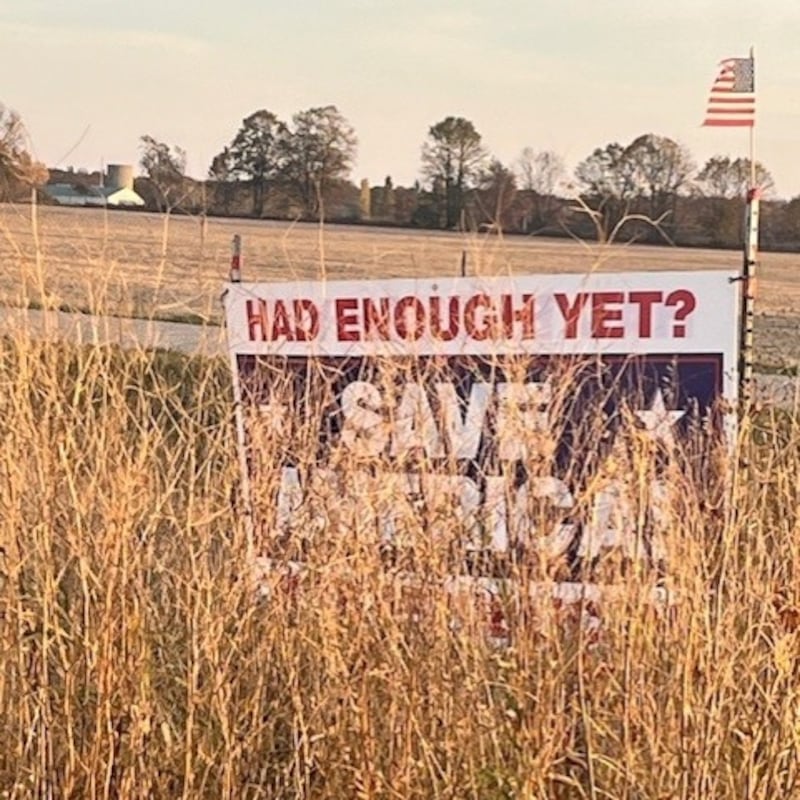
[[748, 298]]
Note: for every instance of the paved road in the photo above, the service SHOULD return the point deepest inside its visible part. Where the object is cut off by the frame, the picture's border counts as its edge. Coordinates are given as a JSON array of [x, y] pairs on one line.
[[128, 332], [210, 340]]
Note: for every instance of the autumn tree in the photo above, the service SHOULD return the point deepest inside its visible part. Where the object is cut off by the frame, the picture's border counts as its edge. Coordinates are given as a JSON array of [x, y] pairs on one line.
[[165, 167], [317, 151], [255, 155], [452, 157]]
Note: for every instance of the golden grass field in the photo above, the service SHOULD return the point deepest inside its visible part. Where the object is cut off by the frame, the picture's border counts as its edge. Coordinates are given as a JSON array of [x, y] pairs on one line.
[[135, 264], [138, 661]]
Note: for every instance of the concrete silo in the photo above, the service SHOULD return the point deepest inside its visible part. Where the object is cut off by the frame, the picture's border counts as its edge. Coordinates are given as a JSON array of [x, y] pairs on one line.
[[120, 176]]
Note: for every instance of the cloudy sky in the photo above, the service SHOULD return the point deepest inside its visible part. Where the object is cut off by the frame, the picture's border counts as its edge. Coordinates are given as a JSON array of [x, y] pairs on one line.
[[89, 77]]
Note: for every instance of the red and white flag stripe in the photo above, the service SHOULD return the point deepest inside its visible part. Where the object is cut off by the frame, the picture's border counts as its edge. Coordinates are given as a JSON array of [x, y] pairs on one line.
[[732, 101]]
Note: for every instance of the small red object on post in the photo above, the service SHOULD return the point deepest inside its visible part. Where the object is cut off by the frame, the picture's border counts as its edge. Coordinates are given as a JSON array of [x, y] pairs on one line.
[[236, 259]]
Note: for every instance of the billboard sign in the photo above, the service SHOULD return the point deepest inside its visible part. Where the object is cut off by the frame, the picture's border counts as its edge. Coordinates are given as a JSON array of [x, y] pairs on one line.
[[486, 422]]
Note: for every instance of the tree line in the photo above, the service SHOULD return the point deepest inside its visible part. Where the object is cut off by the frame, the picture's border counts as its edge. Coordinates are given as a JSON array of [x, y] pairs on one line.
[[649, 189], [270, 167]]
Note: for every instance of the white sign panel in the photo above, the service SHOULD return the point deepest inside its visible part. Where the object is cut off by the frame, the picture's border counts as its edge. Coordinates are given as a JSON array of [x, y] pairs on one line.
[[676, 312], [501, 419]]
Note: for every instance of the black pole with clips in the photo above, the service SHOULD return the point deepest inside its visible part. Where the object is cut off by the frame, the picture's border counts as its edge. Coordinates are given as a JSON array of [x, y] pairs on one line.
[[748, 297]]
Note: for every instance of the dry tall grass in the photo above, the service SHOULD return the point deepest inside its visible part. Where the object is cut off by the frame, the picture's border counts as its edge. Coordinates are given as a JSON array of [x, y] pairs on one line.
[[136, 663], [136, 659]]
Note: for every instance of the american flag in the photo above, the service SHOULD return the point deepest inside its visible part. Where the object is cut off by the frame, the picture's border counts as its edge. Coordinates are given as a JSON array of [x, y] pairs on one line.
[[732, 102]]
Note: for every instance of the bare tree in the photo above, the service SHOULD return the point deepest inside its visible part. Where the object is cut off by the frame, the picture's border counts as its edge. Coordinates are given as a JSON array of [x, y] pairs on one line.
[[723, 182], [642, 179], [606, 177], [17, 167], [166, 169], [540, 174], [729, 178]]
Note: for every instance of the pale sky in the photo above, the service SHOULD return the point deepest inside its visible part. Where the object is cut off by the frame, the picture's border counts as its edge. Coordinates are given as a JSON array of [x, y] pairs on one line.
[[562, 75]]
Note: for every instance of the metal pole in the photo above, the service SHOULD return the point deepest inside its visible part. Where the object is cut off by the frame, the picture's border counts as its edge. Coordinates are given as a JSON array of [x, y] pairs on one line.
[[748, 297], [753, 184], [747, 321], [236, 259]]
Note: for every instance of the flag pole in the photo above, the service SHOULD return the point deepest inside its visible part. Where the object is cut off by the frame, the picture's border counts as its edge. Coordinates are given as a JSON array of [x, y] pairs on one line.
[[752, 208], [753, 127]]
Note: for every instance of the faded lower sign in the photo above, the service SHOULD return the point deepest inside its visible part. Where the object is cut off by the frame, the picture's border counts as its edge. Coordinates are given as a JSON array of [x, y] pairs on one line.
[[483, 429]]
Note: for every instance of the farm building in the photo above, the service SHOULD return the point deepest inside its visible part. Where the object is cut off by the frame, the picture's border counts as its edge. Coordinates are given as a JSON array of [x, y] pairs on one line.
[[117, 190], [65, 194]]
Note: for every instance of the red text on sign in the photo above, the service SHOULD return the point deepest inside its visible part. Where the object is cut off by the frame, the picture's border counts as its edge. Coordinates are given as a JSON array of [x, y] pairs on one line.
[[617, 314], [411, 318], [288, 320]]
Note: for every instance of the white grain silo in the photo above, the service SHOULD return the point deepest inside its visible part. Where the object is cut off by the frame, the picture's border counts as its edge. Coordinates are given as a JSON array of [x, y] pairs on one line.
[[120, 176]]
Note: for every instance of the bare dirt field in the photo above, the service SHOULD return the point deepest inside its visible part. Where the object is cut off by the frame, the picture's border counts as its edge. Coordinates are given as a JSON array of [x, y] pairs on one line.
[[144, 265]]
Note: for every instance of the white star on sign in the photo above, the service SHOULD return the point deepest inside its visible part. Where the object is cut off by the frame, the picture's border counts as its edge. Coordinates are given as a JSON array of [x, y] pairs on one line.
[[658, 421]]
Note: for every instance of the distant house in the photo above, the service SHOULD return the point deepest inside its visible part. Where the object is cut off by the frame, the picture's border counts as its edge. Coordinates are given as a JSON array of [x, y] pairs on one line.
[[117, 190]]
